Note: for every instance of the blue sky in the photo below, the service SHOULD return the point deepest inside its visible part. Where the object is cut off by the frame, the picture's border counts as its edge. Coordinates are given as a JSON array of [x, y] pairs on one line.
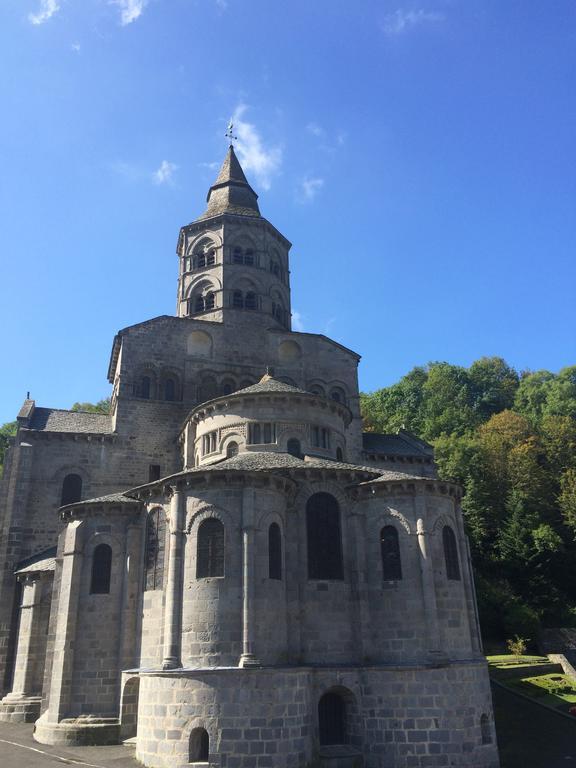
[[420, 156]]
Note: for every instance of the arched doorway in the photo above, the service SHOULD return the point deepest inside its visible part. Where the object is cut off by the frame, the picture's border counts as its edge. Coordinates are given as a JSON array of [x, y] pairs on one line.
[[129, 708], [332, 719]]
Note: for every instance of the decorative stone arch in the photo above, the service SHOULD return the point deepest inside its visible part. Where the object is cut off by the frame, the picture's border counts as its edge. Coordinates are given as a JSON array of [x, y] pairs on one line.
[[245, 242], [66, 471], [393, 517], [199, 742], [231, 437], [138, 388], [199, 281], [208, 237], [309, 488], [129, 707], [164, 393], [441, 521], [246, 283], [227, 382], [338, 387], [194, 518], [317, 387], [289, 352], [199, 344]]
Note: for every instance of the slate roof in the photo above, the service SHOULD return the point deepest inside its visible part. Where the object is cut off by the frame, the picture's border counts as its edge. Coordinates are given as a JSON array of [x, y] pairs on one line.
[[110, 498], [56, 420], [395, 445], [231, 192], [262, 461], [387, 476], [41, 561], [269, 384]]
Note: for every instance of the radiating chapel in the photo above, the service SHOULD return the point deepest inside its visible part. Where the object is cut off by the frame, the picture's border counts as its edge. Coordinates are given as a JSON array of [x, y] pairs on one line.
[[226, 569]]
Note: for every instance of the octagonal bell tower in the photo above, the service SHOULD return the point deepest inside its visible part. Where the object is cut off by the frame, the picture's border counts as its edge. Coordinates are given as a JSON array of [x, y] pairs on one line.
[[233, 262]]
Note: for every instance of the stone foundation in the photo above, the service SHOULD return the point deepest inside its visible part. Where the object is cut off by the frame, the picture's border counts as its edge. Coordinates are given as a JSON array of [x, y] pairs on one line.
[[79, 732], [16, 708], [396, 717]]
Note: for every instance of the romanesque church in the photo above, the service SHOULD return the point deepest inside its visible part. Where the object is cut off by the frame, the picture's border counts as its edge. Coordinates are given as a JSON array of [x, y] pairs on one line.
[[225, 569]]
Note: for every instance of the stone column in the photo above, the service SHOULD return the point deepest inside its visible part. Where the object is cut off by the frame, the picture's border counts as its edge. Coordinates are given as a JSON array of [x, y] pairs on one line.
[[428, 587], [173, 609], [248, 658], [23, 702], [468, 579]]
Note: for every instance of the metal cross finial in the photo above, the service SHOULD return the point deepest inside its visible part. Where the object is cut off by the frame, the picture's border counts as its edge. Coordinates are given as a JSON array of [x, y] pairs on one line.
[[230, 134]]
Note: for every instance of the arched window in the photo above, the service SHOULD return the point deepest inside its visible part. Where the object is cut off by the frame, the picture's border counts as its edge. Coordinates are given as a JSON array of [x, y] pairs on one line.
[[227, 387], [237, 256], [249, 257], [485, 730], [145, 387], [210, 550], [332, 720], [101, 570], [274, 552], [390, 550], [450, 554], [317, 390], [338, 395], [199, 748], [250, 300], [207, 389], [232, 449], [339, 454], [199, 304], [324, 538], [293, 447], [237, 300], [71, 490], [169, 389], [155, 549]]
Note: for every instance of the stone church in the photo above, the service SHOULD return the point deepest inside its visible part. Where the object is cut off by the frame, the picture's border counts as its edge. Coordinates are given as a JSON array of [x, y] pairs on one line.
[[225, 569]]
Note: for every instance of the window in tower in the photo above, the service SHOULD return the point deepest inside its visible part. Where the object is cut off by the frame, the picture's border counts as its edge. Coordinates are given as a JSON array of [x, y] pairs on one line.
[[238, 300], [170, 390], [232, 449], [250, 300], [199, 304], [293, 447], [209, 443], [237, 257], [249, 257], [145, 387], [211, 258], [209, 301]]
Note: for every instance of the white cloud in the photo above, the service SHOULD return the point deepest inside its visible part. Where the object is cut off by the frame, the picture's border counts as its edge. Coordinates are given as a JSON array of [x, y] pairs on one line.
[[297, 321], [264, 161], [47, 9], [164, 174], [75, 47], [400, 21], [130, 10], [315, 130], [309, 188]]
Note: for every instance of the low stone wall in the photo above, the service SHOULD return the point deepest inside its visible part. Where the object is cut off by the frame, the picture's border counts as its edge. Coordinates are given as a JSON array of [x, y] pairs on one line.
[[397, 717]]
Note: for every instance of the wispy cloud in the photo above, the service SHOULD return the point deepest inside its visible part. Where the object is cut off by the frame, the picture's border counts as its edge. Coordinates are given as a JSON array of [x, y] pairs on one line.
[[327, 140], [76, 47], [222, 5], [165, 173], [309, 188], [316, 130], [130, 10], [297, 321], [264, 161], [47, 9], [401, 21]]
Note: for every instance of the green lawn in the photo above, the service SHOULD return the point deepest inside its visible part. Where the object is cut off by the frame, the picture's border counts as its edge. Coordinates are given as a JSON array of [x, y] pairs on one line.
[[556, 690], [506, 660]]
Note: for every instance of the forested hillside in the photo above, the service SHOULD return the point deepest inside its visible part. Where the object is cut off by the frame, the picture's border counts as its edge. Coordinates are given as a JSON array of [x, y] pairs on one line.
[[510, 440]]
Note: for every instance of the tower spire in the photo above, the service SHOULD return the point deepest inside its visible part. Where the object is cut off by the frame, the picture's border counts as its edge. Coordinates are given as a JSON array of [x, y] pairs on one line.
[[231, 192]]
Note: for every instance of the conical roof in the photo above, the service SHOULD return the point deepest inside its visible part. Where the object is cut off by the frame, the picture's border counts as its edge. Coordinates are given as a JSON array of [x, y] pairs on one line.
[[231, 192]]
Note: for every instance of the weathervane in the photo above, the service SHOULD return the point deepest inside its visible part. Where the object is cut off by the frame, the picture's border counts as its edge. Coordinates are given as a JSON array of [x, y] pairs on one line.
[[230, 134]]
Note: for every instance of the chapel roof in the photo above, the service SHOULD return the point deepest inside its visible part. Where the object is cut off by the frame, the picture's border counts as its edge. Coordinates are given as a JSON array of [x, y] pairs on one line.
[[41, 561], [110, 498], [401, 444], [57, 420], [269, 384]]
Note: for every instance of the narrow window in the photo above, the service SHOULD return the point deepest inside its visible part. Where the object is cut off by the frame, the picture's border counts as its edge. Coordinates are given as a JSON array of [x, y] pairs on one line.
[[316, 436], [268, 433], [71, 490], [200, 261], [145, 387], [170, 390], [293, 447], [199, 304], [332, 719], [209, 301], [250, 302], [210, 550], [339, 454], [237, 300], [324, 537], [237, 258], [155, 549], [212, 442], [249, 257], [232, 450], [211, 258], [199, 750], [390, 551], [485, 730], [254, 434], [450, 554], [153, 472], [227, 387], [101, 570], [274, 552]]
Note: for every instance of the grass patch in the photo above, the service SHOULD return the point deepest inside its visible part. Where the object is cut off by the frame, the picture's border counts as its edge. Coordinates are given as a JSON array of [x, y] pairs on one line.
[[507, 660], [557, 691]]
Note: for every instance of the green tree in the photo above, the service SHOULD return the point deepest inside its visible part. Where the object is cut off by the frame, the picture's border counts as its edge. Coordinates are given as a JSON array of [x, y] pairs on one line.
[[102, 406], [532, 393], [7, 431], [494, 384], [561, 394]]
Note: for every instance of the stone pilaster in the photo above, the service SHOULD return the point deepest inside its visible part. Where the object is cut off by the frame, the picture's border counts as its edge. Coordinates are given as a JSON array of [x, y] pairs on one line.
[[249, 657], [173, 611], [428, 587]]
